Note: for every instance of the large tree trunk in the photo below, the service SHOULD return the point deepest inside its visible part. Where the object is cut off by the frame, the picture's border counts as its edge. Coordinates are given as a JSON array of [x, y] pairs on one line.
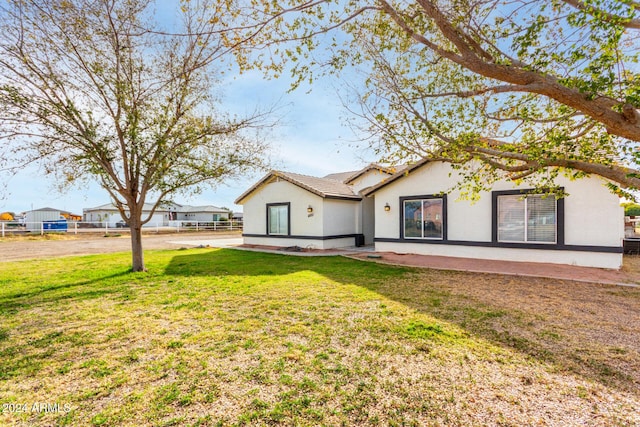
[[137, 256]]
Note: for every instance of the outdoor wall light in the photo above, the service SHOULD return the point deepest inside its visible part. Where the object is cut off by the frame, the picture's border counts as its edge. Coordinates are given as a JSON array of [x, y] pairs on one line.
[[387, 208], [309, 209]]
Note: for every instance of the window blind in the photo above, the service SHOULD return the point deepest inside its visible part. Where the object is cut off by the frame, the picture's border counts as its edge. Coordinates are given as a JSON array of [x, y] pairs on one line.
[[527, 219]]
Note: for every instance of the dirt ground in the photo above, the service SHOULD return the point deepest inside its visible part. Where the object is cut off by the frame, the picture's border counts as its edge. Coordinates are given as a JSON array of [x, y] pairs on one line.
[[588, 329], [48, 246]]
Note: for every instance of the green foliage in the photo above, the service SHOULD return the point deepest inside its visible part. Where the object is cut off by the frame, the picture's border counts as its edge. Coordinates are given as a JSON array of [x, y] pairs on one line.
[[631, 209], [97, 90], [519, 88]]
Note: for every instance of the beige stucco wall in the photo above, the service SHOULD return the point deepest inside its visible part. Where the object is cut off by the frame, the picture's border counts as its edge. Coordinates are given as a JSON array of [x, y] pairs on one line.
[[593, 217], [330, 217], [340, 217], [366, 215], [255, 209], [368, 179], [303, 243], [578, 258]]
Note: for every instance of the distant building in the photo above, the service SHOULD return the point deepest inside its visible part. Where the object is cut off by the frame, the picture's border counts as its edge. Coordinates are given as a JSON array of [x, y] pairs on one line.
[[202, 213], [164, 215], [33, 218]]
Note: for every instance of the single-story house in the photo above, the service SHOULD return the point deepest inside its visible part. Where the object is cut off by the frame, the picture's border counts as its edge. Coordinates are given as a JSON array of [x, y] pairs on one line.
[[69, 216], [418, 210], [163, 216], [108, 214], [201, 213], [288, 209]]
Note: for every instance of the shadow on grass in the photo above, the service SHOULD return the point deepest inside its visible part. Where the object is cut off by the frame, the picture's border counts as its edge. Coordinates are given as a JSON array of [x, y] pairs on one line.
[[491, 322], [45, 294], [230, 262]]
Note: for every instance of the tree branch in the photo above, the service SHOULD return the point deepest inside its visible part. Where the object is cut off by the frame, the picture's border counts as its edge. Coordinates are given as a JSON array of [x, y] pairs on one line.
[[604, 15], [601, 109]]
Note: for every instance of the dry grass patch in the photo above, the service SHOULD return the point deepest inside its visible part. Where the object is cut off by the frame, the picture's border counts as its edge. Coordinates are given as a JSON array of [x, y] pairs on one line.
[[222, 337], [589, 329], [35, 236], [631, 265]]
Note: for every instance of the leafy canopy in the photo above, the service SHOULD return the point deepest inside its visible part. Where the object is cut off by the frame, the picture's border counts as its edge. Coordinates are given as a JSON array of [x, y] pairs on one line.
[[510, 88], [95, 89]]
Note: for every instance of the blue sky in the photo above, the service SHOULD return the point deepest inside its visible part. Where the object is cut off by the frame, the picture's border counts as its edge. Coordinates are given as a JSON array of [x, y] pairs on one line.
[[310, 140]]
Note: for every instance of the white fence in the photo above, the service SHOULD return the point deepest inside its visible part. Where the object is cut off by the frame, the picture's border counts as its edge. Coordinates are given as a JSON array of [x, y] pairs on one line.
[[78, 227]]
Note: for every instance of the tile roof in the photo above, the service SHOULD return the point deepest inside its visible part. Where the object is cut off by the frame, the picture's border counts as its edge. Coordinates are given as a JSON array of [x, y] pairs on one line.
[[370, 167], [348, 177], [323, 187], [207, 208], [341, 176]]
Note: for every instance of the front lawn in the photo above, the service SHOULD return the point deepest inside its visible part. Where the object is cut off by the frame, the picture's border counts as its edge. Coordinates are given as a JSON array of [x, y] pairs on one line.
[[224, 337]]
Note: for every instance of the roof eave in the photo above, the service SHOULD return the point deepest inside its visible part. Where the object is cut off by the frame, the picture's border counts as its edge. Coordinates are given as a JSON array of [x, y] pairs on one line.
[[342, 197], [404, 172], [371, 166], [295, 182], [253, 188]]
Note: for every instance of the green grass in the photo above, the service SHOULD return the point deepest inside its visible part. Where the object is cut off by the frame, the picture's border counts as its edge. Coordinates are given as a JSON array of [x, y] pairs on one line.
[[223, 337]]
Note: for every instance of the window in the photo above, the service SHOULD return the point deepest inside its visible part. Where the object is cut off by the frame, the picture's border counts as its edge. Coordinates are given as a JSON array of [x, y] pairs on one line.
[[424, 217], [527, 218], [278, 219]]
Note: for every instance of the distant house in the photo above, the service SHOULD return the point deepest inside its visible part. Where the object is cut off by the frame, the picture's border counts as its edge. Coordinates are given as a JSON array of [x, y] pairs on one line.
[[201, 213], [288, 209], [70, 216], [163, 216], [419, 210], [109, 215], [42, 214]]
